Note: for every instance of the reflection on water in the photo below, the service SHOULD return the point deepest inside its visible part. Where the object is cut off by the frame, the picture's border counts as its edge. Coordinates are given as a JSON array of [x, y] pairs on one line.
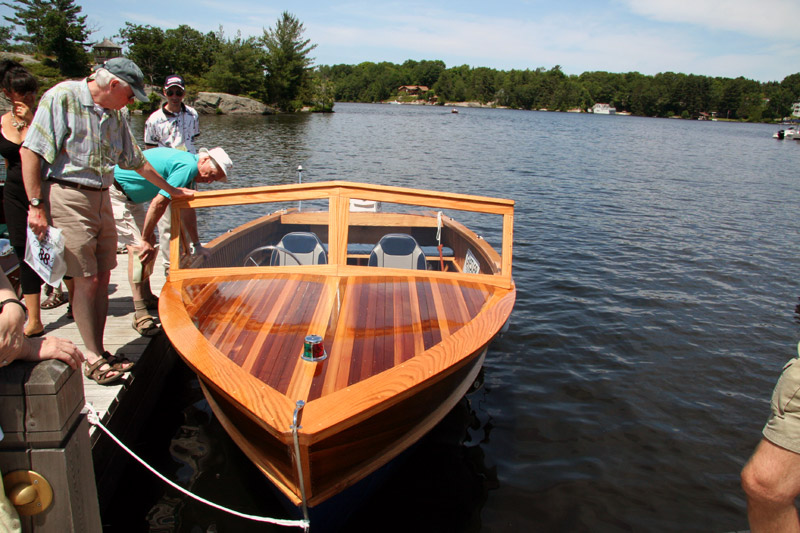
[[656, 265]]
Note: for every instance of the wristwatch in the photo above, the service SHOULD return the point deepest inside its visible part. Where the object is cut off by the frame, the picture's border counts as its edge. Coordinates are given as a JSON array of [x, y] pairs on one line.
[[36, 202]]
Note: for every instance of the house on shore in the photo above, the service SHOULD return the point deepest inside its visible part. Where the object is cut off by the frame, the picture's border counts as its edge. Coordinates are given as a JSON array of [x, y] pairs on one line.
[[414, 90]]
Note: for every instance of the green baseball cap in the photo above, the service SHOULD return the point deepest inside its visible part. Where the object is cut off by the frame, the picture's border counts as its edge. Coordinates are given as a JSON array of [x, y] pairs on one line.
[[126, 70]]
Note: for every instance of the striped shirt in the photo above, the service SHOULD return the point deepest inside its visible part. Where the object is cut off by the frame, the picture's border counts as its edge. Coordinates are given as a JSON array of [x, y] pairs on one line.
[[80, 141]]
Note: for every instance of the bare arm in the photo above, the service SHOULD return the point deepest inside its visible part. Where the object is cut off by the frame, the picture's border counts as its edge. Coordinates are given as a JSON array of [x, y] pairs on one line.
[[15, 345], [154, 213], [32, 177]]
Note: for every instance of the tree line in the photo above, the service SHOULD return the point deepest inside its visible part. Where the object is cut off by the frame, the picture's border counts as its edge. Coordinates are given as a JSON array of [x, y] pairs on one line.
[[276, 68], [662, 95]]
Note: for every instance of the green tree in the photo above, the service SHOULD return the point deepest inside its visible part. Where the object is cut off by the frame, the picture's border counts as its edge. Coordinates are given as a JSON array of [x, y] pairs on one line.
[[237, 68], [146, 48], [54, 28], [6, 34], [286, 61], [189, 52]]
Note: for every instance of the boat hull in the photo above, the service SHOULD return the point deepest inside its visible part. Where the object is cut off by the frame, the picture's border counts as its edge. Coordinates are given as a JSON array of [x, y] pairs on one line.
[[342, 459]]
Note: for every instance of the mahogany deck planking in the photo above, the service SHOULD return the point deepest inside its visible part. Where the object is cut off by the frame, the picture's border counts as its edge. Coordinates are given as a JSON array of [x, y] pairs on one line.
[[260, 324]]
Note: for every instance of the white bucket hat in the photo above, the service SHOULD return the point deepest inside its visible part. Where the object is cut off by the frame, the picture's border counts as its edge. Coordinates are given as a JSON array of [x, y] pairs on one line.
[[220, 158]]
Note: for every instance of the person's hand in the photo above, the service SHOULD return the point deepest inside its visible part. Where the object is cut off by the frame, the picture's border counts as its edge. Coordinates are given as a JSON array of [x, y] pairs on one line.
[[181, 192], [198, 250], [146, 251], [53, 348], [37, 220], [21, 109]]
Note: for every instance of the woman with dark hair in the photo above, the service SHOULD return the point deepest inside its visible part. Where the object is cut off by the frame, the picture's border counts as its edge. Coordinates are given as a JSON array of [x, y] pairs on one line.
[[20, 87]]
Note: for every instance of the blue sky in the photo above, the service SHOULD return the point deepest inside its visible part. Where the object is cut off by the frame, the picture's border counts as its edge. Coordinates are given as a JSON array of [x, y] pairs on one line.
[[757, 39]]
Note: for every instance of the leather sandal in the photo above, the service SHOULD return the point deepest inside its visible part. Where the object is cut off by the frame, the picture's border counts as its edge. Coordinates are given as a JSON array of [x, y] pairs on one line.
[[94, 373], [119, 362], [145, 326], [54, 299]]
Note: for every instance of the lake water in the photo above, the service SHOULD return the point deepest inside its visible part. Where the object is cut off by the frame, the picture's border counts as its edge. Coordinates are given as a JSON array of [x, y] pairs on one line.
[[656, 266]]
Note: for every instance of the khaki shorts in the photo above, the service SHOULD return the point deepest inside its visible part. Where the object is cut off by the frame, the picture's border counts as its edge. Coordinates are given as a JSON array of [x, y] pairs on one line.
[[783, 426], [86, 220], [128, 217]]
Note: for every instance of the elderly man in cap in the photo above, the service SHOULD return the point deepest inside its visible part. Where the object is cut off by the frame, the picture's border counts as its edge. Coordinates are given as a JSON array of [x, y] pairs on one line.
[[76, 138], [136, 228], [173, 125]]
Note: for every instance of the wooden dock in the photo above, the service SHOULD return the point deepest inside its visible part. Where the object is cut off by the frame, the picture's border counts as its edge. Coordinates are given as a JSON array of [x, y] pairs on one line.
[[120, 337]]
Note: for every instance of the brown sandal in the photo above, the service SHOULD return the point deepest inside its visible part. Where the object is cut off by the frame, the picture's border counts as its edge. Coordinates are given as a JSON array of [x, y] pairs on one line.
[[119, 362], [94, 373], [145, 326], [54, 299]]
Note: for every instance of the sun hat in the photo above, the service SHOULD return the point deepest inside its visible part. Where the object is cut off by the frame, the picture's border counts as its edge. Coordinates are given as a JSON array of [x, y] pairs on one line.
[[174, 80], [127, 71], [220, 158]]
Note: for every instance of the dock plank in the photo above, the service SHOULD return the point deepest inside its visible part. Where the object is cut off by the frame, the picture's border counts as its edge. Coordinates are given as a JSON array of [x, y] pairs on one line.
[[120, 337]]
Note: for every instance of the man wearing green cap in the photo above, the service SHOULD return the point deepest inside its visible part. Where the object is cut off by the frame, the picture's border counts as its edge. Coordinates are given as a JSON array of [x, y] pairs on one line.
[[76, 138]]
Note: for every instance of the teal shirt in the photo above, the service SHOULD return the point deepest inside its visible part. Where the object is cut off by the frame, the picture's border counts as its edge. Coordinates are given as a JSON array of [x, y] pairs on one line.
[[178, 167]]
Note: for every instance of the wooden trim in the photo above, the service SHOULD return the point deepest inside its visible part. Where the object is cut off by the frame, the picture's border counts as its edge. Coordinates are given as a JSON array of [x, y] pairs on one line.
[[339, 194], [340, 271]]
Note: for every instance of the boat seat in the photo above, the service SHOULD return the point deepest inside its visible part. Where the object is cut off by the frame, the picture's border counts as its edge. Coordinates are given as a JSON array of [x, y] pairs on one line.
[[304, 246], [397, 250]]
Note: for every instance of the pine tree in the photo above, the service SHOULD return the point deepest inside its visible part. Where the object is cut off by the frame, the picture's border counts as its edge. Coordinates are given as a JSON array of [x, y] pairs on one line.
[[286, 61], [54, 28]]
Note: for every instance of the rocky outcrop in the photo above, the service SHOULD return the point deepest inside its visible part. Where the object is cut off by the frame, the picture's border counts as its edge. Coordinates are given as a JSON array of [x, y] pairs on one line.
[[227, 104]]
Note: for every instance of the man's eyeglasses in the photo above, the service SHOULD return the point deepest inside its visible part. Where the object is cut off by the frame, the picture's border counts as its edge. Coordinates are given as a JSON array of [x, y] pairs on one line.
[[174, 92]]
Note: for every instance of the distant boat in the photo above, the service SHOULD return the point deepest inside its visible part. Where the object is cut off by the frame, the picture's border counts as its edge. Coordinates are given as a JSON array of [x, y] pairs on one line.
[[328, 341], [789, 133], [603, 109], [453, 110]]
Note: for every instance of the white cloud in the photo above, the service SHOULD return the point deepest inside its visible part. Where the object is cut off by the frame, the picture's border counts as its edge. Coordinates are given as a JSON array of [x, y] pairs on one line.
[[761, 18]]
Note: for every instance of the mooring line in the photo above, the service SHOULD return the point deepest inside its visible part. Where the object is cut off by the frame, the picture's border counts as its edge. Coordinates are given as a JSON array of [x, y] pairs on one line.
[[94, 419]]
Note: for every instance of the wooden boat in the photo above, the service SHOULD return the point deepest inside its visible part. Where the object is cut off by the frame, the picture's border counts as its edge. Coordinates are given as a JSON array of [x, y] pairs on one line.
[[401, 346]]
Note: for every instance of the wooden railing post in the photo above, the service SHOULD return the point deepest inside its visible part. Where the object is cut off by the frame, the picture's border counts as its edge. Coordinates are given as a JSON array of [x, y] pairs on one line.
[[45, 431]]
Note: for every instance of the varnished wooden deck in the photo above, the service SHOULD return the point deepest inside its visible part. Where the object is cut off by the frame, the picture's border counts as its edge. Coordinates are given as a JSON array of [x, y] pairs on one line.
[[369, 324]]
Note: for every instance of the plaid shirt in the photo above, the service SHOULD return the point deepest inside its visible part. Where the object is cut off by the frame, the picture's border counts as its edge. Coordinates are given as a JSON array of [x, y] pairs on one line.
[[81, 141]]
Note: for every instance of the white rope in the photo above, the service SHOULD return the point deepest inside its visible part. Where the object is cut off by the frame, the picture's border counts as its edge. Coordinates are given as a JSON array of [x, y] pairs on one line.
[[439, 227], [94, 419]]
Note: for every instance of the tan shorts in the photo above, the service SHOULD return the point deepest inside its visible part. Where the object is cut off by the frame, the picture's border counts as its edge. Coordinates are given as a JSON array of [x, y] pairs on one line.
[[86, 220], [128, 217], [783, 426]]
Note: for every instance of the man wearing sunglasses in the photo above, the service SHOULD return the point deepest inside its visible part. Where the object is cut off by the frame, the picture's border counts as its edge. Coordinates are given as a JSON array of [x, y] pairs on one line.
[[173, 125]]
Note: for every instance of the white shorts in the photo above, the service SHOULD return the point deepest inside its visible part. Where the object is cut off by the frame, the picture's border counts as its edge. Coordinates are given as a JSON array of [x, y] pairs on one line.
[[128, 217]]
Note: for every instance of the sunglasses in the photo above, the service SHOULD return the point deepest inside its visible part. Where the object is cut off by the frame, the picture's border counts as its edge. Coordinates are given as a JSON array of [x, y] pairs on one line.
[[174, 92]]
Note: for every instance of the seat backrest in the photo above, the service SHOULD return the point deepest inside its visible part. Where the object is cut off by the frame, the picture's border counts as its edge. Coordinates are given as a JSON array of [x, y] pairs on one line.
[[397, 250], [305, 246]]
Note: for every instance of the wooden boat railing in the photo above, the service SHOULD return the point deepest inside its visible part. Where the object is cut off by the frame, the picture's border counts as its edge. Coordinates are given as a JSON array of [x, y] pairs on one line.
[[339, 220]]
